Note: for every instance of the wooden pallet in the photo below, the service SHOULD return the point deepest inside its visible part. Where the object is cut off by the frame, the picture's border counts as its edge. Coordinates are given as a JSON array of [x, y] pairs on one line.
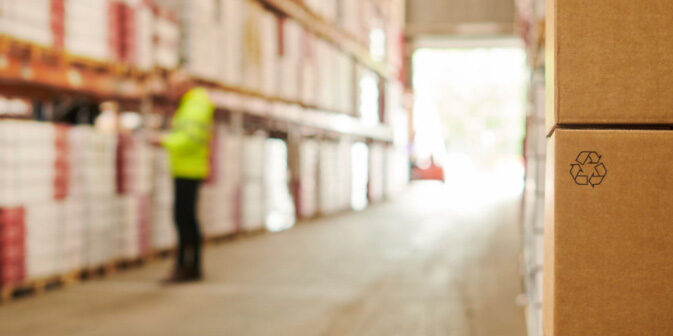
[[37, 286], [129, 263], [100, 271]]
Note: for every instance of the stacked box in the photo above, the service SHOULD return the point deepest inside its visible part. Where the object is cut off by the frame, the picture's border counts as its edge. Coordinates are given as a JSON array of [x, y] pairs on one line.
[[12, 245], [376, 172], [359, 175], [76, 209], [122, 28], [268, 27], [397, 171], [280, 211], [134, 175], [28, 20], [344, 81], [231, 38], [61, 162], [328, 185], [344, 175], [290, 59], [324, 53], [253, 203], [74, 230], [57, 22], [200, 23], [87, 28], [163, 227], [217, 199], [252, 46], [44, 233], [100, 187], [166, 38], [309, 70], [368, 96], [307, 196], [607, 239]]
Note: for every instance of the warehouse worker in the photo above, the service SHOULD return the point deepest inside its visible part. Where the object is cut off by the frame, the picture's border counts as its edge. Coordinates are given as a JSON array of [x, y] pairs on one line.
[[188, 144]]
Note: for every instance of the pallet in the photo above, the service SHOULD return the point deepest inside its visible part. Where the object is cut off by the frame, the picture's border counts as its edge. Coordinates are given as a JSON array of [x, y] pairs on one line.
[[129, 263], [37, 286], [100, 271]]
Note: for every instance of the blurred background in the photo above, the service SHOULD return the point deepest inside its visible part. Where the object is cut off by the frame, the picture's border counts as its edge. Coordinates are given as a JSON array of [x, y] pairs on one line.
[[376, 166]]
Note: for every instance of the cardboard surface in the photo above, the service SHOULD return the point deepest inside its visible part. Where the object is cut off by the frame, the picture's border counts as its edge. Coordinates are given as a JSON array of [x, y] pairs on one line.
[[609, 233], [612, 56]]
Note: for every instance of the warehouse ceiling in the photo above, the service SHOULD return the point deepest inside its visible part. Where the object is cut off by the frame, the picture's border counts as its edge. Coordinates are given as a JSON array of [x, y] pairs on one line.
[[460, 18]]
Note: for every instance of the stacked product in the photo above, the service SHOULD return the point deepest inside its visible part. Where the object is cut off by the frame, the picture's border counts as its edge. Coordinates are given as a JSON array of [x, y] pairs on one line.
[[163, 228], [103, 205], [359, 175], [253, 203], [76, 204], [252, 46], [307, 195], [12, 245], [200, 25], [343, 78], [376, 172], [218, 197], [397, 170], [328, 185], [31, 20], [324, 55], [29, 158], [44, 249], [309, 71], [368, 96], [280, 212], [290, 59], [608, 251], [122, 28], [268, 29], [166, 39], [87, 28], [145, 34], [230, 37], [344, 175], [134, 175]]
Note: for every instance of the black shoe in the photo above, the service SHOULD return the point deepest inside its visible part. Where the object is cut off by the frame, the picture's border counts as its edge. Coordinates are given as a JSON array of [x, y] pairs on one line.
[[177, 276], [192, 274]]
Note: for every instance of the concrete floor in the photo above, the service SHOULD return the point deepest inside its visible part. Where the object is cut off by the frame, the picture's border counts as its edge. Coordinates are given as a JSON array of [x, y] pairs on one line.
[[434, 262]]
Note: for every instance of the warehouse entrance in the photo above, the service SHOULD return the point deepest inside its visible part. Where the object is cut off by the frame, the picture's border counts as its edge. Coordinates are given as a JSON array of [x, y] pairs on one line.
[[468, 112]]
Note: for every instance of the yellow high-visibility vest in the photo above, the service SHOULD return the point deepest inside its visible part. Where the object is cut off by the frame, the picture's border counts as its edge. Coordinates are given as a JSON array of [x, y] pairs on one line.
[[188, 142]]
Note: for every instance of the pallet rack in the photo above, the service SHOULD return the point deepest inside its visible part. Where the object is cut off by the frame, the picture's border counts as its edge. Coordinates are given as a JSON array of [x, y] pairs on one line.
[[32, 71]]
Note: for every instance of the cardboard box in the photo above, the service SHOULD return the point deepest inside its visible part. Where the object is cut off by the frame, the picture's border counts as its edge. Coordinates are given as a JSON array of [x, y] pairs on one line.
[[613, 56], [608, 234]]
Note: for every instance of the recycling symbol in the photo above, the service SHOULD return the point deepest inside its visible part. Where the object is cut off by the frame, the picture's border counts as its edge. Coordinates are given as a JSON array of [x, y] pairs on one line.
[[588, 169]]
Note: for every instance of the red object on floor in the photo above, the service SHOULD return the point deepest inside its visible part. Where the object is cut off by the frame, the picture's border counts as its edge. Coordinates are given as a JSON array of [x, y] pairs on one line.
[[434, 173]]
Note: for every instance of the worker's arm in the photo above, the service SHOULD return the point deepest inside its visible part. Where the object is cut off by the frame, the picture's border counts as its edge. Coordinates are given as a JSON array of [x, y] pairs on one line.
[[186, 137]]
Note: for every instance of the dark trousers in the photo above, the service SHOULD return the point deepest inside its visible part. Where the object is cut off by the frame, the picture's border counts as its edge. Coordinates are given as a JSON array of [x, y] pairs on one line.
[[189, 234]]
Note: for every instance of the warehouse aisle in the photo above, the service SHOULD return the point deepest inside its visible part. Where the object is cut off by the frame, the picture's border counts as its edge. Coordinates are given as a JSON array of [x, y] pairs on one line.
[[434, 262]]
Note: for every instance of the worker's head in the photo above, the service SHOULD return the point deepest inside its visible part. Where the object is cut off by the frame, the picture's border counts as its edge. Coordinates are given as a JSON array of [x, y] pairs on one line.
[[179, 82]]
